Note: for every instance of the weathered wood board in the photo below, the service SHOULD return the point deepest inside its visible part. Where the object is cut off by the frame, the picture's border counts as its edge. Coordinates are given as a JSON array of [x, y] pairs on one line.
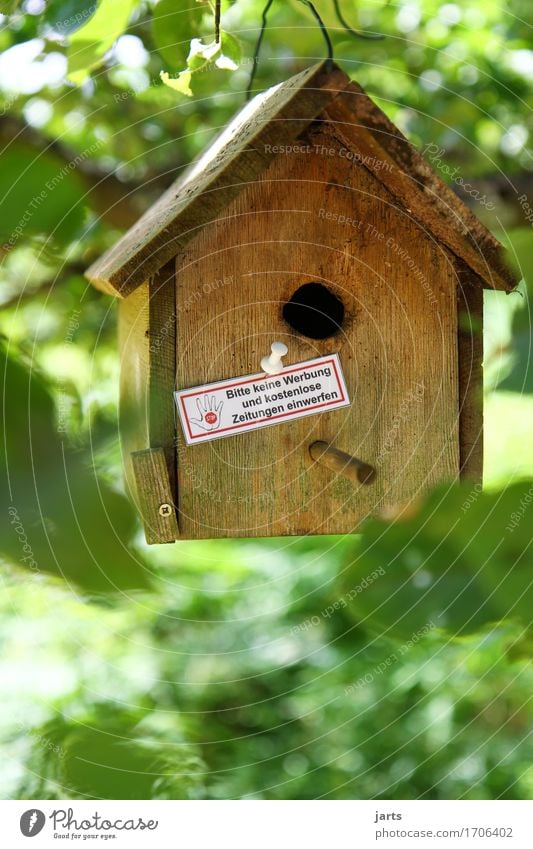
[[154, 496], [470, 353]]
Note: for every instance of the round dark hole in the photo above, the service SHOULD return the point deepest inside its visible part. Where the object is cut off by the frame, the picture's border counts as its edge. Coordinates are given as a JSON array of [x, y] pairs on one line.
[[314, 311]]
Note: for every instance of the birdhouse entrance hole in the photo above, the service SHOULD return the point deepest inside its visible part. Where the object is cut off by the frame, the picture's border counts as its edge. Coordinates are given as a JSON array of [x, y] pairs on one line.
[[314, 311]]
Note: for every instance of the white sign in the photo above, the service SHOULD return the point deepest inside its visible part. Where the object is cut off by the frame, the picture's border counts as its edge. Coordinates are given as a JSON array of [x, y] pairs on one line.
[[258, 400]]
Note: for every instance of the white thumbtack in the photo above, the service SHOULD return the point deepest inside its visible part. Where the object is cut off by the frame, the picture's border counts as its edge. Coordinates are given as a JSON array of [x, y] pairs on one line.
[[273, 364]]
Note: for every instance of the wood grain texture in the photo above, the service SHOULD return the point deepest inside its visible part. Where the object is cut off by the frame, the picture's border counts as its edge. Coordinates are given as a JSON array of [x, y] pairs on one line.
[[470, 352], [366, 131], [352, 468], [147, 344], [238, 155], [319, 216], [134, 353], [247, 146], [162, 369], [154, 496]]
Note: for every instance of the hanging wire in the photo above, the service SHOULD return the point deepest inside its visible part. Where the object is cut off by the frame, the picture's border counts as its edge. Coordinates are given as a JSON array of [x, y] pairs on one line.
[[329, 59], [371, 36], [218, 5], [323, 30]]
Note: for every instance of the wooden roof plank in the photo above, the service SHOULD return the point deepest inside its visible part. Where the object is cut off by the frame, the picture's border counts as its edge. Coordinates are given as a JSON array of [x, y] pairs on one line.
[[418, 187], [248, 145], [239, 154], [363, 129]]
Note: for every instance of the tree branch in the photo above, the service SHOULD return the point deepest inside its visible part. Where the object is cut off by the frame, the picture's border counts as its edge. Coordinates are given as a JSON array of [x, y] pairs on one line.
[[118, 202]]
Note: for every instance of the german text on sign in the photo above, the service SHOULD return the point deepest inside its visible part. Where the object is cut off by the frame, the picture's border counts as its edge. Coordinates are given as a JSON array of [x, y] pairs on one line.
[[238, 405]]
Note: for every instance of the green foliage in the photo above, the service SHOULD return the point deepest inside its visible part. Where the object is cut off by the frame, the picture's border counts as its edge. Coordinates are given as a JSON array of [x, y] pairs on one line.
[[461, 563], [61, 517], [90, 42], [66, 16], [273, 669], [174, 24], [109, 753], [223, 55]]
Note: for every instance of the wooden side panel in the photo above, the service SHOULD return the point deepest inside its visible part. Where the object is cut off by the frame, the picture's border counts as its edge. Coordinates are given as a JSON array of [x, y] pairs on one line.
[[316, 215], [470, 353], [162, 348], [134, 351], [154, 496]]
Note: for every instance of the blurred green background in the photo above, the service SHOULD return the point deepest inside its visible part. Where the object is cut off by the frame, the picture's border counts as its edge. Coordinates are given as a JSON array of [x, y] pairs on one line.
[[394, 664]]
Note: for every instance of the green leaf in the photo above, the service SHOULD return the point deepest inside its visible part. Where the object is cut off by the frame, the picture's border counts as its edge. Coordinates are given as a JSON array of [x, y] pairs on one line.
[[231, 51], [7, 7], [180, 83], [67, 16], [62, 518], [461, 564], [40, 194], [519, 244], [108, 753], [174, 24], [91, 42], [201, 56]]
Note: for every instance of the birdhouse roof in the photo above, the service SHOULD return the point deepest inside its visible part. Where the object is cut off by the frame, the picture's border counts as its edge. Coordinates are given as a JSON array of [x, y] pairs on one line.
[[245, 149]]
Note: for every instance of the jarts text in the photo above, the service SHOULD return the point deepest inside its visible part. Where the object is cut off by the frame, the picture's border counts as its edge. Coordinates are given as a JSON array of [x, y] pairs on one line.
[[388, 816]]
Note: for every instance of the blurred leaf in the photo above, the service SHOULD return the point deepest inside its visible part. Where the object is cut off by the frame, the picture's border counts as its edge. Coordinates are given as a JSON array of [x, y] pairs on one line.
[[40, 194], [66, 16], [90, 42], [106, 755], [180, 83], [174, 24], [54, 501], [7, 7], [231, 51], [223, 56]]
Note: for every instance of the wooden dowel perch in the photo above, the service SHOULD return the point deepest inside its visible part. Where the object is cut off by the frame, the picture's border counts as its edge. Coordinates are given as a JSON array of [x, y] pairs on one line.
[[341, 463]]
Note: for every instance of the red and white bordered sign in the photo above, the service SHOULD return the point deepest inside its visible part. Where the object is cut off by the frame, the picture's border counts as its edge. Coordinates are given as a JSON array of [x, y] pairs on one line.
[[241, 404]]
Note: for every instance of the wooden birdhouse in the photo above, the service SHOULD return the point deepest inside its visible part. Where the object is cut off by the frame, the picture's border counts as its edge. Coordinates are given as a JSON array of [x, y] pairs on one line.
[[312, 223]]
